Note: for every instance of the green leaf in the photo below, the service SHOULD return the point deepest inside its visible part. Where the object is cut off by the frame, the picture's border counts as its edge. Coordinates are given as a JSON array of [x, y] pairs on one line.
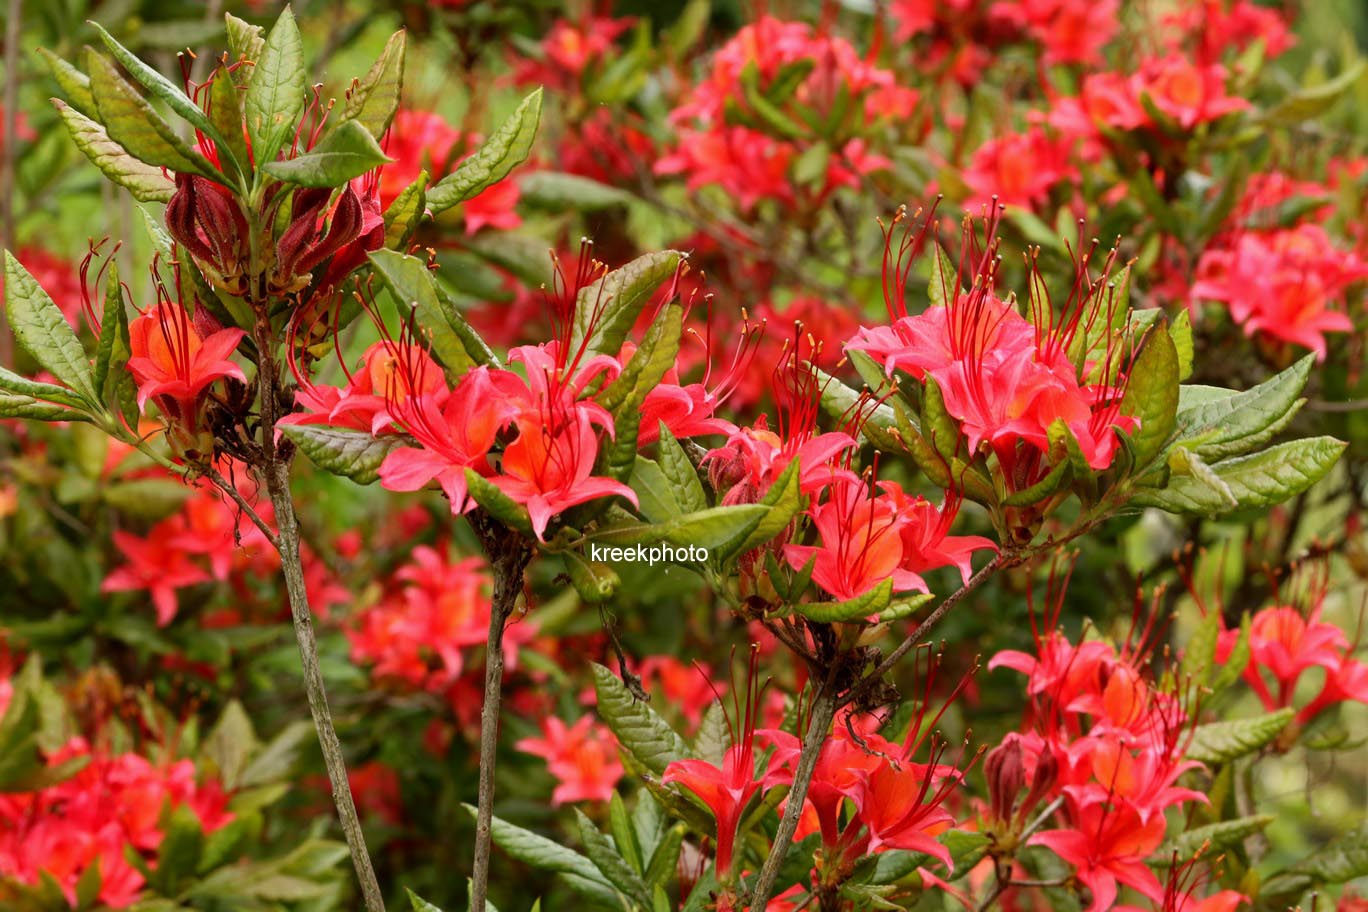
[[113, 329], [405, 213], [500, 154], [856, 609], [1152, 395], [1221, 742], [1259, 480], [498, 504], [420, 905], [639, 729], [43, 332], [606, 310], [147, 183], [838, 400], [1200, 653], [610, 863], [276, 95], [245, 41], [72, 81], [1312, 101], [624, 834], [166, 90], [680, 473], [543, 853], [375, 99], [784, 499], [341, 451], [1212, 838], [410, 281], [1180, 330], [594, 581], [713, 737], [938, 426], [558, 192], [231, 743], [178, 855], [656, 497], [1234, 423], [33, 389], [665, 858], [647, 366], [901, 608], [133, 123], [346, 152], [1185, 463], [1343, 860]]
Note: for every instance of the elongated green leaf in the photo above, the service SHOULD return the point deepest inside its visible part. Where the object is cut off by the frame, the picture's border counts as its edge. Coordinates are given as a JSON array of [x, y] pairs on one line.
[[1343, 860], [610, 862], [133, 123], [43, 332], [72, 81], [375, 99], [165, 90], [347, 152], [647, 366], [1237, 422], [606, 310], [405, 213], [354, 454], [656, 497], [856, 609], [545, 854], [498, 504], [1152, 395], [419, 904], [147, 183], [34, 389], [1221, 742], [784, 499], [624, 833], [595, 582], [276, 94], [13, 405], [500, 154], [838, 401], [1212, 838], [1307, 103], [639, 729], [112, 329], [410, 281], [1259, 480], [245, 41], [559, 192], [680, 473]]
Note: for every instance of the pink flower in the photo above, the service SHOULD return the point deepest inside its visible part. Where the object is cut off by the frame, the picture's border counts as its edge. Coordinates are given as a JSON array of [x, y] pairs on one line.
[[583, 757]]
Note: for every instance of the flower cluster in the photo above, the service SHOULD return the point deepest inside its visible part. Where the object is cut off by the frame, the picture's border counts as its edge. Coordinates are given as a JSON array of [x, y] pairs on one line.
[[112, 807], [1105, 743]]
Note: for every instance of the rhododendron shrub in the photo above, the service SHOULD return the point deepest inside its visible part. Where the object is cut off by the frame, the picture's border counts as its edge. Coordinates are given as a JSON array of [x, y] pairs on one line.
[[811, 457]]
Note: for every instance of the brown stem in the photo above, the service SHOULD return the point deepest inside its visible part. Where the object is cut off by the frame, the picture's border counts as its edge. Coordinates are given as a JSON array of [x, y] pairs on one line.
[[823, 712], [932, 619], [9, 145], [277, 472], [509, 554]]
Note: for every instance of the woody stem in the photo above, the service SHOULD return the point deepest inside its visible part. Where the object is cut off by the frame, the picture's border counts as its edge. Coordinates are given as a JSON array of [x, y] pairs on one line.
[[277, 472], [823, 712], [509, 555], [932, 619]]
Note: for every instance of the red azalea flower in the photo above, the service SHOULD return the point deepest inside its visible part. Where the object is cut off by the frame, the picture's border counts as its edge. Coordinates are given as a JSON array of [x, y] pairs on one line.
[[1019, 169], [157, 565], [1108, 846], [174, 365], [583, 757]]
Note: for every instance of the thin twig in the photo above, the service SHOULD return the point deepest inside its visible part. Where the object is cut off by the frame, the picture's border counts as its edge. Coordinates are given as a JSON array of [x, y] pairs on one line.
[[950, 601], [277, 472], [227, 487], [823, 712], [509, 554], [9, 144]]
